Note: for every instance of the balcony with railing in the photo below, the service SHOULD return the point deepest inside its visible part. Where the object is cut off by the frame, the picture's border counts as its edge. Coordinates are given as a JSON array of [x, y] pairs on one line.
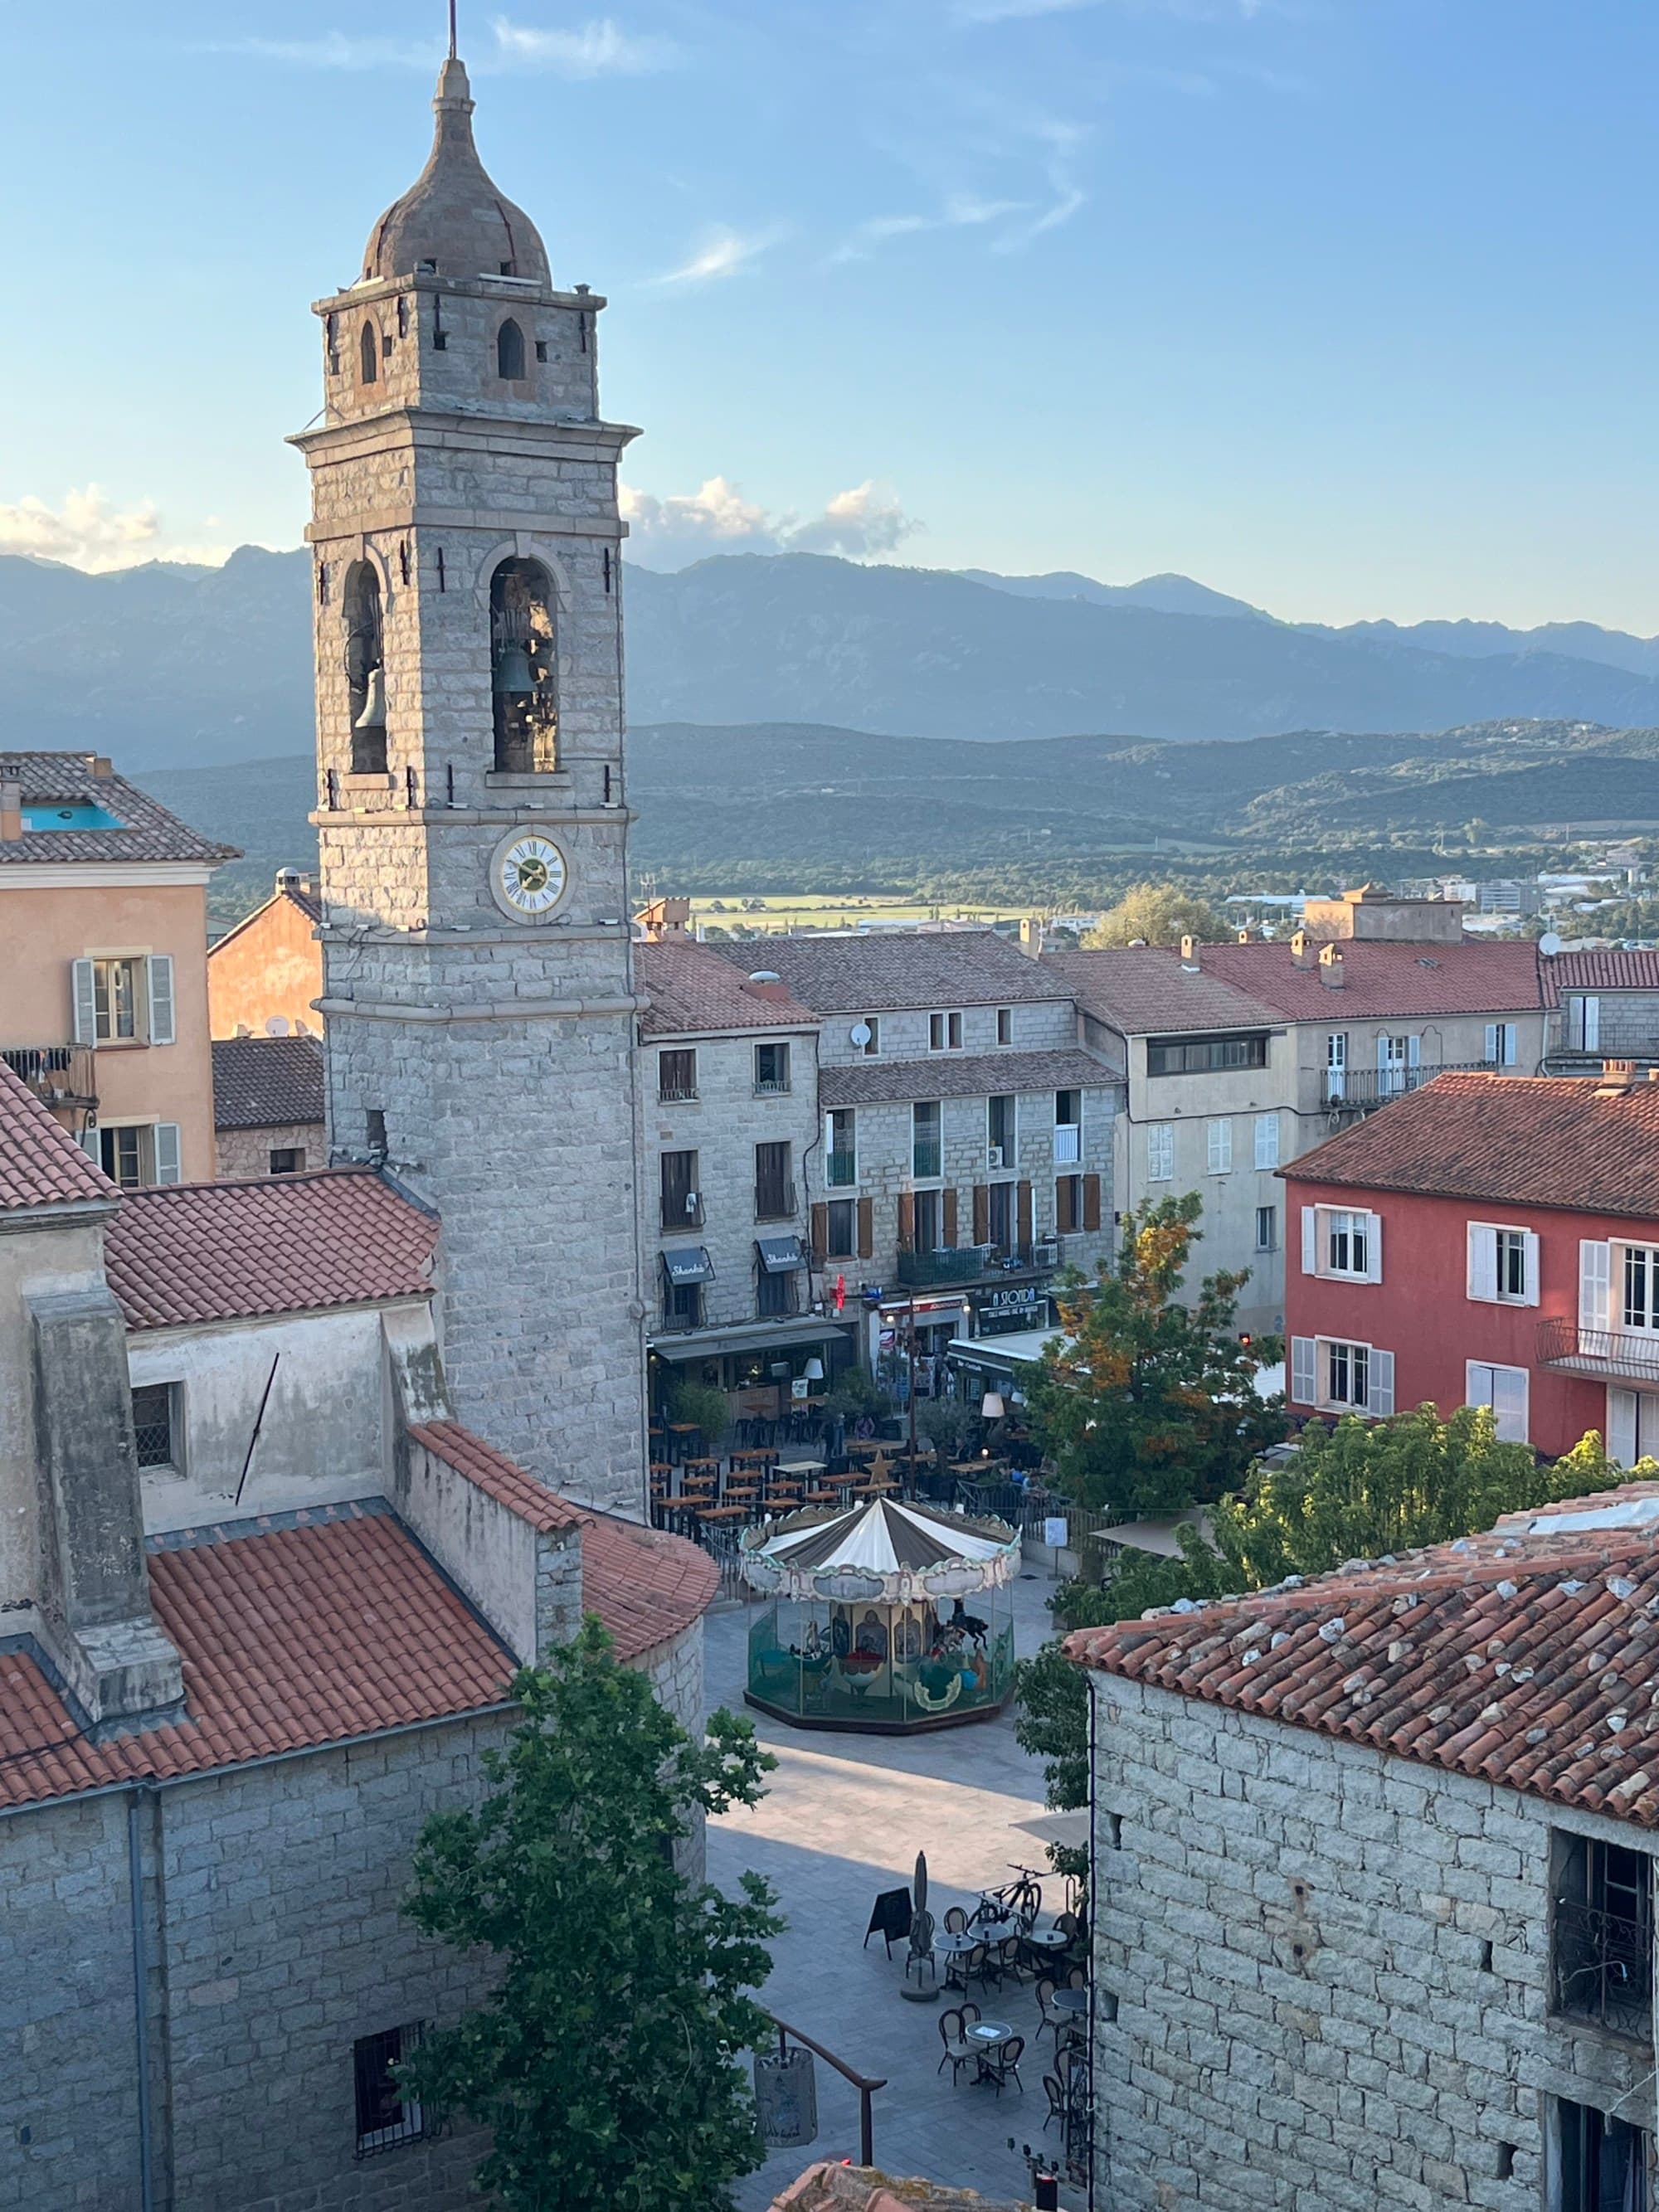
[[1603, 1968], [682, 1209], [1362, 1090], [775, 1200], [1629, 1355], [975, 1263], [57, 1074]]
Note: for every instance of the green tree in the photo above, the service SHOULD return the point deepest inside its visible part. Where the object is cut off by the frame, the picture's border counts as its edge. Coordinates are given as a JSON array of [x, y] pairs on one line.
[[1162, 914], [1151, 1403], [604, 2060]]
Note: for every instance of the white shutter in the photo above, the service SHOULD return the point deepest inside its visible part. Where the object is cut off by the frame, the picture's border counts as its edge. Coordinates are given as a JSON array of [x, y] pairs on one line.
[[91, 1144], [1482, 1274], [1509, 1403], [1383, 1062], [1413, 1052], [166, 1151], [1379, 1393], [161, 998], [1266, 1141], [1304, 1367], [1595, 1282], [1532, 1263], [1593, 1032], [1221, 1147], [1311, 1239], [1621, 1427], [1374, 1248], [86, 1003]]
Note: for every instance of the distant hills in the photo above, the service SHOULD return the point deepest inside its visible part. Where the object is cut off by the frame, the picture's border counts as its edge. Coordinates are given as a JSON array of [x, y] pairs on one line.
[[168, 665]]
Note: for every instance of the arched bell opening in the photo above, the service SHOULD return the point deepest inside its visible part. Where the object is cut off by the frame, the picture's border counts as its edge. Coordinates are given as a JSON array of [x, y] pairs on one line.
[[524, 668], [368, 354], [365, 670], [509, 351]]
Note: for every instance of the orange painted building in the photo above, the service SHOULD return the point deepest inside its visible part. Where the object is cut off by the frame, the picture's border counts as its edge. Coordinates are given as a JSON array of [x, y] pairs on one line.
[[265, 975], [103, 965]]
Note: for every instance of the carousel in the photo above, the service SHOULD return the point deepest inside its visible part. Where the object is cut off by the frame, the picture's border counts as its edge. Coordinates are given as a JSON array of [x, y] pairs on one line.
[[890, 1618]]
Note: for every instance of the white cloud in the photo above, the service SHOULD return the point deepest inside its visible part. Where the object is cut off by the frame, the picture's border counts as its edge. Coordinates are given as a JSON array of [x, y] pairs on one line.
[[332, 50], [667, 533], [722, 253], [960, 210], [87, 533], [599, 47]]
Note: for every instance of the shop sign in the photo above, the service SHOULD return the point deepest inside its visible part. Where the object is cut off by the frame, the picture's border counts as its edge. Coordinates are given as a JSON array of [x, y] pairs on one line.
[[1002, 1312]]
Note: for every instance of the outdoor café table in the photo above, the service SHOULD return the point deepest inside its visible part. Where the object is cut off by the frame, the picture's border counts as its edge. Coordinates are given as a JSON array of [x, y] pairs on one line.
[[706, 1513], [1048, 1938], [800, 1466], [823, 1498], [988, 2034], [1075, 2000], [955, 1946]]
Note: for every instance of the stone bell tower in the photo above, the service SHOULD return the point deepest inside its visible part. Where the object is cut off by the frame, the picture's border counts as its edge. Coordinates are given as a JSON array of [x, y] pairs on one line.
[[478, 973]]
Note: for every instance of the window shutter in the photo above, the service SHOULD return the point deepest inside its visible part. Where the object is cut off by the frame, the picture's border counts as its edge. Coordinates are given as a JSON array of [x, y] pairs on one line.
[[1380, 1388], [907, 1219], [1311, 1239], [1413, 1052], [161, 998], [1593, 1032], [92, 1146], [1533, 1262], [981, 1214], [1266, 1141], [1374, 1250], [1509, 1403], [1595, 1282], [1621, 1427], [1091, 1201], [866, 1227], [948, 1215], [1221, 1135], [1063, 1222], [1023, 1202], [818, 1230], [1494, 1042], [86, 1003], [166, 1151], [1302, 1368], [1482, 1261], [1382, 1060]]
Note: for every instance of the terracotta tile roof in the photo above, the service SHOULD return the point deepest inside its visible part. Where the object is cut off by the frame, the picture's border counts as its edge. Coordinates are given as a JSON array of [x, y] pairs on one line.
[[1531, 1140], [693, 988], [1386, 979], [262, 1081], [893, 969], [1598, 970], [870, 1082], [147, 830], [1525, 1656], [223, 1251], [40, 1163], [500, 1477], [291, 1636], [1143, 990], [644, 1584]]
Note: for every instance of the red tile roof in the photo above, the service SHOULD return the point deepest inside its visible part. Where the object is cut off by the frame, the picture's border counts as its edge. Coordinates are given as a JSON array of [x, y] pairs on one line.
[[1529, 1140], [496, 1475], [1408, 980], [1598, 970], [1142, 990], [870, 1082], [267, 1082], [225, 1251], [40, 1163], [881, 971], [693, 988], [1525, 1656], [145, 830], [291, 1637]]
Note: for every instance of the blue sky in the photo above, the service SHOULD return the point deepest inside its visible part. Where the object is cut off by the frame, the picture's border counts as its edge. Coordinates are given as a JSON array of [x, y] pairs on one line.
[[1345, 305]]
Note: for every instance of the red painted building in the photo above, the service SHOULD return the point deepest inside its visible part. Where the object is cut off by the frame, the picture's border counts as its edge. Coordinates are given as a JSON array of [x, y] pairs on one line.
[[1492, 1240]]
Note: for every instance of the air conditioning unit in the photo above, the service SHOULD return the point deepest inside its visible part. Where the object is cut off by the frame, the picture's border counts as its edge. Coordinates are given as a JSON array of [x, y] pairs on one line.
[[995, 1155]]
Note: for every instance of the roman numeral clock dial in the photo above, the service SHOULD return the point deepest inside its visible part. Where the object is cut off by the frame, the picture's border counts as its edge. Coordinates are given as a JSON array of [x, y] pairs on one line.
[[528, 876]]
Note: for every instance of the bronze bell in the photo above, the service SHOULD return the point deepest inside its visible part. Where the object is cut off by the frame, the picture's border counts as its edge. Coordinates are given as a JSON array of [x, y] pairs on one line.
[[513, 677], [373, 714]]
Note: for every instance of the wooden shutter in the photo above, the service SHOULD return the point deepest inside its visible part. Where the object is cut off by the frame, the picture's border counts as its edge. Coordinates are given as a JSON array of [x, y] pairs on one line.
[[981, 1214], [1482, 1261], [86, 1003], [866, 1227], [1303, 1369], [907, 1220], [1023, 1203], [948, 1217], [820, 1231], [1379, 1389], [160, 999], [1091, 1201], [1595, 1282], [1621, 1427], [166, 1151]]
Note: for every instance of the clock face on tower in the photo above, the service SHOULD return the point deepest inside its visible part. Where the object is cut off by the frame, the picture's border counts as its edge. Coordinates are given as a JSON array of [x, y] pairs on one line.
[[528, 876]]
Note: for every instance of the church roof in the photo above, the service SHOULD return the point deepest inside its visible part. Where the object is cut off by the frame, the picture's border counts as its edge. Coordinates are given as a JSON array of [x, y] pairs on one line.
[[452, 217]]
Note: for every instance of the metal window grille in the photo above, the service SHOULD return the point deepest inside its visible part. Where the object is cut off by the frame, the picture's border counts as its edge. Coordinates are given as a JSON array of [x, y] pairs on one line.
[[385, 2119], [152, 1423]]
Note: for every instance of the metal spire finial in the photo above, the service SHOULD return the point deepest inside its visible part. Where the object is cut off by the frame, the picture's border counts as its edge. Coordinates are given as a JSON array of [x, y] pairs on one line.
[[452, 29]]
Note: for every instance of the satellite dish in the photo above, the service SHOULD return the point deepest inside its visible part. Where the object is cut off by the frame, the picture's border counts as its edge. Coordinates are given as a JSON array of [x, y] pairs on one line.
[[1550, 941], [277, 1025], [860, 1034]]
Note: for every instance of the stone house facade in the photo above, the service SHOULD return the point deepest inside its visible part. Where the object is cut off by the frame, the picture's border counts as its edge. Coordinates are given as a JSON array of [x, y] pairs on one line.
[[1602, 1006], [268, 1110], [1375, 1916]]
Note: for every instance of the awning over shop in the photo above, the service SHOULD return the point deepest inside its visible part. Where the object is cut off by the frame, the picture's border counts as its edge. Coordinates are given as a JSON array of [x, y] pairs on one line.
[[747, 1336], [1016, 1349], [689, 1263], [780, 1255]]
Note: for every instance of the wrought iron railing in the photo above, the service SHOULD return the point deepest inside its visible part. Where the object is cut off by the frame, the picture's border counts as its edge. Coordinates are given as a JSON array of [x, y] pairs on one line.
[[58, 1075], [775, 1201], [1603, 1968], [681, 1209], [1564, 1343], [1360, 1090]]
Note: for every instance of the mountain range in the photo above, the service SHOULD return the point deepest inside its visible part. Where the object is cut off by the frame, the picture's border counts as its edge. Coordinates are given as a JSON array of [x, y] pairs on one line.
[[167, 665]]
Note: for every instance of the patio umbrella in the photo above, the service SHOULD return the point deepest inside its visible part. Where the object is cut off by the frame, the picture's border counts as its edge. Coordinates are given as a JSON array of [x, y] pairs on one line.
[[918, 1885]]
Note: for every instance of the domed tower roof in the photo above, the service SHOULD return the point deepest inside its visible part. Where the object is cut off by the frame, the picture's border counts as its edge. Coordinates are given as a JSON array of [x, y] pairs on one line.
[[452, 216]]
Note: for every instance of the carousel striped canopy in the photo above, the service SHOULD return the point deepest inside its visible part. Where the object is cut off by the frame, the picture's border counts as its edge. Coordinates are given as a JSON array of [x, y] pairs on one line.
[[885, 1549]]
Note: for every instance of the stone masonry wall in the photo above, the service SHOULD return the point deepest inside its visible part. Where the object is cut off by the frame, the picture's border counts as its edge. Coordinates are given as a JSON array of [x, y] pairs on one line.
[[245, 1153], [1330, 1971]]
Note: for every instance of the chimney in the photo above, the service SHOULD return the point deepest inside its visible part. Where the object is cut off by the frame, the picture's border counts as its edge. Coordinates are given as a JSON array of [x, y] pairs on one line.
[[1330, 968], [664, 917], [101, 768], [11, 813], [1302, 950], [289, 879], [1618, 1076], [1030, 936], [764, 984], [1189, 955]]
